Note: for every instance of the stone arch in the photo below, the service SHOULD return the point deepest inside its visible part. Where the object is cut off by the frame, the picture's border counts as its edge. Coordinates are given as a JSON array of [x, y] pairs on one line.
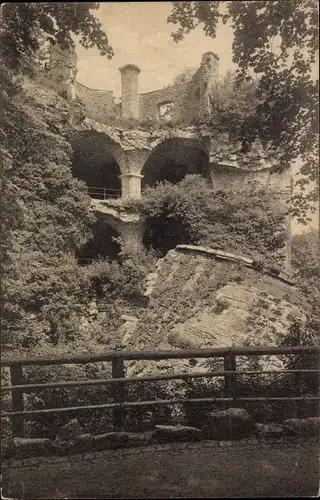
[[102, 245], [99, 162], [173, 159]]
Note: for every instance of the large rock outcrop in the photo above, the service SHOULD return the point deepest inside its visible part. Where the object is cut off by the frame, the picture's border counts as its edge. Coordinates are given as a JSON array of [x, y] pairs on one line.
[[200, 298]]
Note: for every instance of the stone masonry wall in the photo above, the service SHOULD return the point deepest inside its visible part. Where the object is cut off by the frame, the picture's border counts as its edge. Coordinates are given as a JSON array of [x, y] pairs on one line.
[[150, 101], [99, 104]]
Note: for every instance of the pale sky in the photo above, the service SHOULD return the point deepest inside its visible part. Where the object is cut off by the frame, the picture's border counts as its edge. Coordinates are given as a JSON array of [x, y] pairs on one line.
[[139, 34]]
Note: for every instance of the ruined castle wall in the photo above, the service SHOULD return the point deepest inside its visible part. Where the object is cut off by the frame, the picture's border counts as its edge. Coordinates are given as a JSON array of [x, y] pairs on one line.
[[191, 105], [150, 102], [60, 71], [202, 297], [229, 178], [99, 104], [185, 103]]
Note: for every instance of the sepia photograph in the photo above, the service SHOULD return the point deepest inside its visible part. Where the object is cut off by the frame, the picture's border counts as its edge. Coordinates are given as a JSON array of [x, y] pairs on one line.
[[160, 249]]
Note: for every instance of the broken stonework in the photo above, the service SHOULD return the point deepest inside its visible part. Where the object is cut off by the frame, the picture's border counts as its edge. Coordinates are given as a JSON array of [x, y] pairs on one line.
[[199, 301]]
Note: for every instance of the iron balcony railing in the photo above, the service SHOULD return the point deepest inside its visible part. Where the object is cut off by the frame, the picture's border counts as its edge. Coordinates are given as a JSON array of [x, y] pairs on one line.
[[86, 262], [118, 380], [101, 193]]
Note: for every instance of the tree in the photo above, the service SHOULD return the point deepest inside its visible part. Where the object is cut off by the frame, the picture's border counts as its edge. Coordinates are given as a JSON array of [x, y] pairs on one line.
[[185, 75], [22, 23], [45, 211], [234, 104], [278, 41], [306, 268]]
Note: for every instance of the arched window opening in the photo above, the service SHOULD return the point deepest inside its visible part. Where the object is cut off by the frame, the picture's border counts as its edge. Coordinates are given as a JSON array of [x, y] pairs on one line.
[[173, 159], [94, 163]]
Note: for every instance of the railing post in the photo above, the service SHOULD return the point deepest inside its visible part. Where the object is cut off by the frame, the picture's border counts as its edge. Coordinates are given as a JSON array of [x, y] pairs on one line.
[[118, 393], [300, 406], [229, 378], [17, 421]]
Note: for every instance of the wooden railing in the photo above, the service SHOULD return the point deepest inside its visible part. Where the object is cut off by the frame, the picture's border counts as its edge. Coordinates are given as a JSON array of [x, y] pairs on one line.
[[101, 193], [119, 380]]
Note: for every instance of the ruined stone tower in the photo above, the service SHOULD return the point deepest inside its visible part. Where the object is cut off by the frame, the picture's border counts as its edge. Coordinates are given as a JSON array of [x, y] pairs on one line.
[[130, 90], [209, 73]]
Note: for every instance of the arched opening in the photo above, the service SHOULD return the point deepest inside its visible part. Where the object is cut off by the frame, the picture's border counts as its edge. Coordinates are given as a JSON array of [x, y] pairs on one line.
[[102, 246], [93, 161], [163, 233], [173, 159]]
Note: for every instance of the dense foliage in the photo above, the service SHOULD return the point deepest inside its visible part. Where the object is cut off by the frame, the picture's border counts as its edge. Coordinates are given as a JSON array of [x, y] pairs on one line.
[[234, 107], [252, 223], [44, 210], [278, 41], [48, 218], [306, 268], [21, 24]]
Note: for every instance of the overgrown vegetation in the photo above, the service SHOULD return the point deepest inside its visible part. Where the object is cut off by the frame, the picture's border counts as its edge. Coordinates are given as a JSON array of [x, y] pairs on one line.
[[193, 212], [45, 216], [306, 268], [278, 42]]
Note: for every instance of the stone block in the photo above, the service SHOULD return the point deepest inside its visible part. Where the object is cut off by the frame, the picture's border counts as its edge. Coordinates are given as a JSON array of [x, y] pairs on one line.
[[110, 440], [269, 431], [176, 433], [137, 439], [234, 423], [70, 431], [67, 437], [302, 427], [82, 444], [29, 447]]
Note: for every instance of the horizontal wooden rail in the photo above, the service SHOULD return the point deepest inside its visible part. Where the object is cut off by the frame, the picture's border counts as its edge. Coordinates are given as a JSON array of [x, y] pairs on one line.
[[119, 381], [149, 378], [158, 355], [133, 404]]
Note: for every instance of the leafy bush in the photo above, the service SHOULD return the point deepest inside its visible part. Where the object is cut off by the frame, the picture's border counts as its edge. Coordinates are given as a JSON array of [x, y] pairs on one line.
[[305, 261], [250, 222]]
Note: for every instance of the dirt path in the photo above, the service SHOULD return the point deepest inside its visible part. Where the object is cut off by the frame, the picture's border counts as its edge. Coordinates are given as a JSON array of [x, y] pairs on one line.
[[180, 470]]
